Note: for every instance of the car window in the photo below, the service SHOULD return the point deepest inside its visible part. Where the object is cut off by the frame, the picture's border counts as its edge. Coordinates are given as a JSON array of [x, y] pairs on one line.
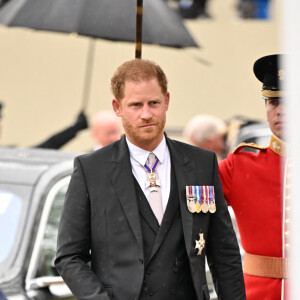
[[41, 264], [10, 212], [14, 207], [50, 234], [45, 244]]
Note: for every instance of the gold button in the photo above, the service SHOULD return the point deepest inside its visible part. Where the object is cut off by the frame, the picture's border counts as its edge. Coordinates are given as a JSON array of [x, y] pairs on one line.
[[287, 208], [287, 232], [287, 246], [288, 197], [287, 221], [288, 186]]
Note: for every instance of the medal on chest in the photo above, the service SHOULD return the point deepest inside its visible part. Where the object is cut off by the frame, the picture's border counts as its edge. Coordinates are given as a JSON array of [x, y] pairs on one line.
[[152, 182], [200, 244], [212, 204], [204, 193], [201, 199]]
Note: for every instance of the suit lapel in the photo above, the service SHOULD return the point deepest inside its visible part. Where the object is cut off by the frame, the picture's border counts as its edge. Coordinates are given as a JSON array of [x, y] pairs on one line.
[[122, 180], [184, 169]]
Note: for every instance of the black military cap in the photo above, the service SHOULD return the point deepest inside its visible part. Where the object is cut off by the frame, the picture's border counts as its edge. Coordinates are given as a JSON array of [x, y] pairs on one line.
[[270, 72]]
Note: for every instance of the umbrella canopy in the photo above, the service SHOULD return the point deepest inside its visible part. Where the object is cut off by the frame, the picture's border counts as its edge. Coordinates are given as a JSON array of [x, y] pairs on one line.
[[106, 19]]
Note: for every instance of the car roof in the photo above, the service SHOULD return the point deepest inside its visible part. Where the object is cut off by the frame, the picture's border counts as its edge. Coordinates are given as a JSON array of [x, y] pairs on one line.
[[258, 133], [25, 166], [253, 131]]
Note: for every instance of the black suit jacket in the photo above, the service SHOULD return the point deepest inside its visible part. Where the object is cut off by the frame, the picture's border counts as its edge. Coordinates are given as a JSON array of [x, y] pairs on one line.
[[100, 224]]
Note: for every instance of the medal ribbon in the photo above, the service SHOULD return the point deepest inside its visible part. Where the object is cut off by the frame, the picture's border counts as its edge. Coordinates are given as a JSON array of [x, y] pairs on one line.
[[191, 191], [199, 193], [212, 194], [204, 193], [208, 194], [148, 169], [194, 194]]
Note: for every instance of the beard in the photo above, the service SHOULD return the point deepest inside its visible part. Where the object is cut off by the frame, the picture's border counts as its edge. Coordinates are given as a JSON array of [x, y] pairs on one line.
[[143, 136]]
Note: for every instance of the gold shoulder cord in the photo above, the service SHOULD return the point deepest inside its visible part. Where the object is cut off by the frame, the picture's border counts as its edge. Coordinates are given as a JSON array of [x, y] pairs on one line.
[[242, 146]]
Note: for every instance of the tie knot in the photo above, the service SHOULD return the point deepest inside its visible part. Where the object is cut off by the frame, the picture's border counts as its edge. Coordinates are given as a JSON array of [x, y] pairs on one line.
[[151, 159]]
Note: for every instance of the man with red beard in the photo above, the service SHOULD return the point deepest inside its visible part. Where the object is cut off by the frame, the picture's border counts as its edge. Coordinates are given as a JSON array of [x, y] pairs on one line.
[[146, 210], [253, 186]]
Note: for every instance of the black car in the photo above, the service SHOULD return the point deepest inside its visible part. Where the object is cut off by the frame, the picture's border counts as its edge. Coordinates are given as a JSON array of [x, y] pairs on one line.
[[33, 183], [258, 133]]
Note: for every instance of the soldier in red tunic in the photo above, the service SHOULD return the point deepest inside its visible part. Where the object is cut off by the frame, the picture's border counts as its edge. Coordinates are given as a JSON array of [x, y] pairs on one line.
[[254, 185]]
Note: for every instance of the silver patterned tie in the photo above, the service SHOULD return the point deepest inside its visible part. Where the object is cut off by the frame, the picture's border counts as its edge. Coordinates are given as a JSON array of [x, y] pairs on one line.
[[155, 199]]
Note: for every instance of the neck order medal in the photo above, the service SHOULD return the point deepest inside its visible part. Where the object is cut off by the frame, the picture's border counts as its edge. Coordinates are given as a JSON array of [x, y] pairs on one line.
[[152, 182]]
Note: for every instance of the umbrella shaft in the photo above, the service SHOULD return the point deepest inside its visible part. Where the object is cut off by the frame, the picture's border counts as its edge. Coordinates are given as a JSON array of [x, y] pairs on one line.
[[139, 29], [88, 74]]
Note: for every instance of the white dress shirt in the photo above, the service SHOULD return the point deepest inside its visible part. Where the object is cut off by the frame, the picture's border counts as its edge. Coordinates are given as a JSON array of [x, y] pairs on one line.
[[138, 158]]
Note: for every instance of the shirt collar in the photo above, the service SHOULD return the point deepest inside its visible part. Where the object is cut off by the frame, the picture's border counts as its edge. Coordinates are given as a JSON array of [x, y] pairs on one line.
[[141, 155]]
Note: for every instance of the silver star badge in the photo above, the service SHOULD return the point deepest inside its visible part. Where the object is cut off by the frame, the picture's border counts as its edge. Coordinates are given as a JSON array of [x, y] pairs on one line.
[[200, 244]]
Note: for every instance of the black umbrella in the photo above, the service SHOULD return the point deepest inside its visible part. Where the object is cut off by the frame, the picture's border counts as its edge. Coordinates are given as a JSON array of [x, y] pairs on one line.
[[106, 19]]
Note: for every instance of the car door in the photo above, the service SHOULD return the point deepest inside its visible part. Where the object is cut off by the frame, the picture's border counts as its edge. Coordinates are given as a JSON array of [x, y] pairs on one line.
[[42, 281]]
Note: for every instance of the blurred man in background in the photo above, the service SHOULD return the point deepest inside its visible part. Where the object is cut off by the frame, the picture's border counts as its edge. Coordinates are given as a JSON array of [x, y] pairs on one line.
[[105, 128], [207, 132]]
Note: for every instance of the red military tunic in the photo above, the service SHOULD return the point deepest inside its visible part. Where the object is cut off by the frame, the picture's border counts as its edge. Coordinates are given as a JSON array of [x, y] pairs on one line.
[[252, 184]]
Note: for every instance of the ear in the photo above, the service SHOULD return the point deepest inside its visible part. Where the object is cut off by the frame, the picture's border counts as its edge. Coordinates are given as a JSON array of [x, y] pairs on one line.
[[117, 107], [167, 97]]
